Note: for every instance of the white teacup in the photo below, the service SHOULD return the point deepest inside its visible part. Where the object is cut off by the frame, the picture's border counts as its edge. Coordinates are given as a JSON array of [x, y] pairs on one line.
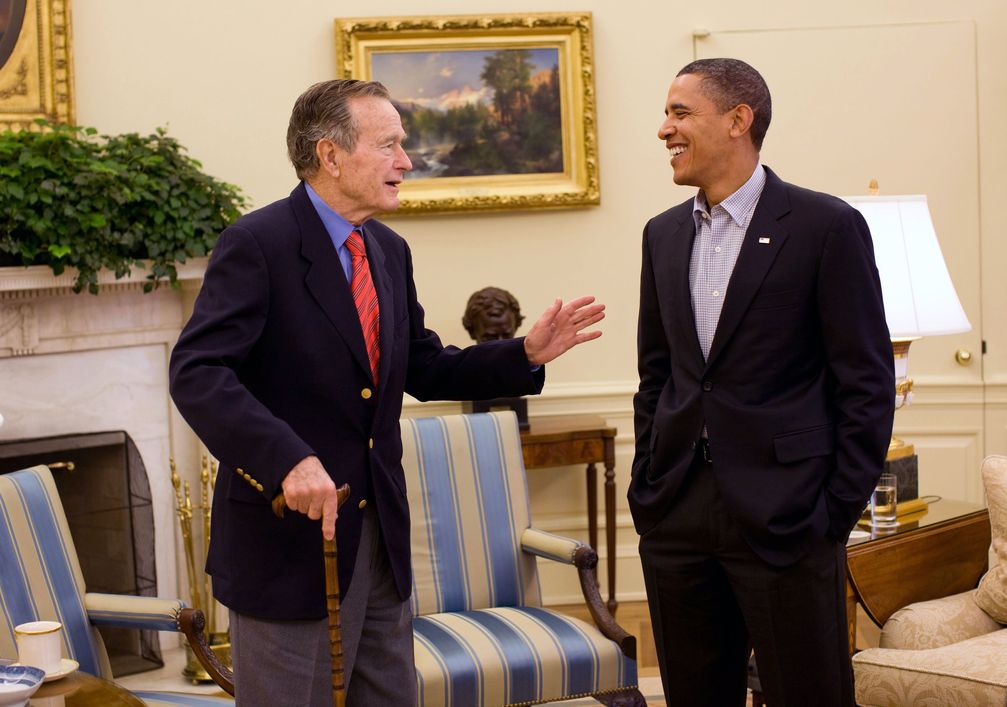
[[39, 643]]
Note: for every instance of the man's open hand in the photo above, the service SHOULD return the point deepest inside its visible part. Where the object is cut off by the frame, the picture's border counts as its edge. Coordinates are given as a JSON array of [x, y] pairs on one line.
[[560, 328]]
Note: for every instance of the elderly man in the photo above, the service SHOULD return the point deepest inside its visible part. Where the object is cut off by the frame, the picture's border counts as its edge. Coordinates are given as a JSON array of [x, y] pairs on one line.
[[292, 371], [764, 409]]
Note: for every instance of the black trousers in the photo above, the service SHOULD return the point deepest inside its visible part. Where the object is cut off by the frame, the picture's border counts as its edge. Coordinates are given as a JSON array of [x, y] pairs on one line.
[[712, 600]]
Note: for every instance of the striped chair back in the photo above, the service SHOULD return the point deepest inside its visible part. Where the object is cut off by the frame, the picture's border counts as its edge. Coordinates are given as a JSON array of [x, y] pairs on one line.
[[468, 499], [40, 578]]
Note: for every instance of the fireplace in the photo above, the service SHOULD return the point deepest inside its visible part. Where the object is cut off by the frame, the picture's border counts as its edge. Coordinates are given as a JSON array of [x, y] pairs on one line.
[[102, 483], [74, 364]]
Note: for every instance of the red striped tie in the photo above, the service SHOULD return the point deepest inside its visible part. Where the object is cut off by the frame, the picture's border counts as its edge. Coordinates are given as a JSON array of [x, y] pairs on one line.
[[365, 297]]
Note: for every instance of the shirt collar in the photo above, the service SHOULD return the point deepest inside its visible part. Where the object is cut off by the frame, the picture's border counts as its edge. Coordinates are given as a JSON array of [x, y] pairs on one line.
[[338, 228], [741, 204]]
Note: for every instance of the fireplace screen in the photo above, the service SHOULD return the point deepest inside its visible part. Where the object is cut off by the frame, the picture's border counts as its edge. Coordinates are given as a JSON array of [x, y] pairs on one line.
[[103, 486]]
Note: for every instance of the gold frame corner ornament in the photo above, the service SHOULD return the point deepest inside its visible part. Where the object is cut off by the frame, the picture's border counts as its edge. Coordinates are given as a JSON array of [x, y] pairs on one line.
[[36, 81], [570, 33]]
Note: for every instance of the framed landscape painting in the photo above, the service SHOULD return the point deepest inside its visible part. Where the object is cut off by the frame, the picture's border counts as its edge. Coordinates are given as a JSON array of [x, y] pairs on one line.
[[499, 110], [36, 73]]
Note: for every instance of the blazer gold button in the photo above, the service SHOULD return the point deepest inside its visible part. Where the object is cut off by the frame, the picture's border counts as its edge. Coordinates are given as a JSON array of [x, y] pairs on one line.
[[248, 477], [240, 470], [362, 505], [370, 443], [366, 393], [258, 487]]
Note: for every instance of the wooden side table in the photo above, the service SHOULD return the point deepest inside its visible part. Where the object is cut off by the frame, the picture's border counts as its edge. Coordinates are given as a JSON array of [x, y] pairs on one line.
[[579, 439], [79, 689], [942, 552]]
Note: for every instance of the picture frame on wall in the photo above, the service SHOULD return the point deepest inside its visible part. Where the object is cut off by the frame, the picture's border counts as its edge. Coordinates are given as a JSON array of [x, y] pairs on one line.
[[499, 110], [36, 69]]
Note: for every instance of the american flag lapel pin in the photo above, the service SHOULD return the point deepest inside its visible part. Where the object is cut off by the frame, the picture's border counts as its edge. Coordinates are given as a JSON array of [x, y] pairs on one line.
[[764, 240]]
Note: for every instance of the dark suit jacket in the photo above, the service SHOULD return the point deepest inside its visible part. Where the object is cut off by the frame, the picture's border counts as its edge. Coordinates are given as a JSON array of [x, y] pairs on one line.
[[798, 390], [272, 368]]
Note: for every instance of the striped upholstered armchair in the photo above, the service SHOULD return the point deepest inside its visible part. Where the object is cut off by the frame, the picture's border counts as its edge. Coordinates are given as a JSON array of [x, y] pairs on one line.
[[482, 636], [40, 579]]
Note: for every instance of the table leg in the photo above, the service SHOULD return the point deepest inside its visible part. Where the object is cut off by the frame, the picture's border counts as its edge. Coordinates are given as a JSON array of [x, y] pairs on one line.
[[592, 506], [610, 531]]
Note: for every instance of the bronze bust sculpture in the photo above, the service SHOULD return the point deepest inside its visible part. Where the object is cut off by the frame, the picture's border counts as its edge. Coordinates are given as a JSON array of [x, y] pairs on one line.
[[492, 313]]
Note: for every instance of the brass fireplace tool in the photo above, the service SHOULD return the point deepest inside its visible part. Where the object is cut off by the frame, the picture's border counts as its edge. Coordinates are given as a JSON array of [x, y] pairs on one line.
[[200, 589]]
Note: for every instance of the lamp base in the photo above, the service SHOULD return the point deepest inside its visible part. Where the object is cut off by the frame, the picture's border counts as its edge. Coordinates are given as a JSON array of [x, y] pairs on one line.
[[906, 469]]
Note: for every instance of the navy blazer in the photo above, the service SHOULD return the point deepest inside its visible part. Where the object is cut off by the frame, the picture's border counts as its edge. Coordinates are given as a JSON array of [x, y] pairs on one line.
[[798, 390], [272, 368]]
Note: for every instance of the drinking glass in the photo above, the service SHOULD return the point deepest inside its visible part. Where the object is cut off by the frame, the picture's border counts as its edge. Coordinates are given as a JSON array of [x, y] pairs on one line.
[[883, 502]]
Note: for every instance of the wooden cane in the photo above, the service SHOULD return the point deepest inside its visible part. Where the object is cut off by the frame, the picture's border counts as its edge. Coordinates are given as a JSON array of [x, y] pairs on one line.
[[331, 599]]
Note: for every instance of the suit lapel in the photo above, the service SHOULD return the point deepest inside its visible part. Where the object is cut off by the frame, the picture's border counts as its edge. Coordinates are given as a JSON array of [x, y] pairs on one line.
[[679, 258], [325, 278], [763, 240]]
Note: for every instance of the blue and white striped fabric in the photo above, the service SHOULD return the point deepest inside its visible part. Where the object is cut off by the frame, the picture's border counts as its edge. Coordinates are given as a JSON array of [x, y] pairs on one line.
[[468, 500], [481, 635], [127, 611], [40, 579], [513, 656]]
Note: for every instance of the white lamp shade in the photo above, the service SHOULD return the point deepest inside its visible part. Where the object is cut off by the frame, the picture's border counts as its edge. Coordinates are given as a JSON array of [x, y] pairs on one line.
[[920, 299]]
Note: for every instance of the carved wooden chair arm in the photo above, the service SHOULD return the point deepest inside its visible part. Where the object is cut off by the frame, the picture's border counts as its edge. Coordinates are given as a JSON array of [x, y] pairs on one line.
[[192, 623], [585, 559]]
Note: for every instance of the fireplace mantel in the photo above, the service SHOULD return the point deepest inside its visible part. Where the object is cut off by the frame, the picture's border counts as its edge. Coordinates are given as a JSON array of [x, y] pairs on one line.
[[40, 312], [20, 282]]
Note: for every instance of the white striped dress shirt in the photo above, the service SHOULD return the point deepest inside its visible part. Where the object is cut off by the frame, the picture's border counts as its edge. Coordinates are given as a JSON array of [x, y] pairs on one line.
[[720, 232]]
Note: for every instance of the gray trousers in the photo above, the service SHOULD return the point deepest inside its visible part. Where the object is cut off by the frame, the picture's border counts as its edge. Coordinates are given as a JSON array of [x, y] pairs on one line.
[[287, 663]]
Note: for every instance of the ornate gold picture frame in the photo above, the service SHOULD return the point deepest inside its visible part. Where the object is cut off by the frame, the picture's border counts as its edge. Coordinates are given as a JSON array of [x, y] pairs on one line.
[[36, 68], [500, 110]]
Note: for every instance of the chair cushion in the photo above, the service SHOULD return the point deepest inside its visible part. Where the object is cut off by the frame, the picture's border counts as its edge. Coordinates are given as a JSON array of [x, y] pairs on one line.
[[468, 506], [970, 673], [938, 622], [992, 593], [513, 656]]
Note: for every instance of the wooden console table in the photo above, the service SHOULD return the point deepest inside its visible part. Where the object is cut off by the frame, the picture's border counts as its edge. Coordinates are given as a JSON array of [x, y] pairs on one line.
[[579, 439], [942, 552]]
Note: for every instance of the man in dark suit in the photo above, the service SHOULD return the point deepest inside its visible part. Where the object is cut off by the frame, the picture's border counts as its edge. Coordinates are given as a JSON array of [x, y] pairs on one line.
[[764, 409], [292, 370]]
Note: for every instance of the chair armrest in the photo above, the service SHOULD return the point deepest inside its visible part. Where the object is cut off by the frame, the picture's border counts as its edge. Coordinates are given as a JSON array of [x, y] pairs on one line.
[[549, 546], [936, 623], [192, 623], [128, 611], [585, 559]]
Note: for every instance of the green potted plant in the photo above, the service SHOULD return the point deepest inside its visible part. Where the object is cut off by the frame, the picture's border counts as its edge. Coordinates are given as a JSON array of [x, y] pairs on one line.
[[72, 198]]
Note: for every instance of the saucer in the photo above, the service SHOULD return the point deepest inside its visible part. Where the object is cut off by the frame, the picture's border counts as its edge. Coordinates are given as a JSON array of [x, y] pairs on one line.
[[66, 666]]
